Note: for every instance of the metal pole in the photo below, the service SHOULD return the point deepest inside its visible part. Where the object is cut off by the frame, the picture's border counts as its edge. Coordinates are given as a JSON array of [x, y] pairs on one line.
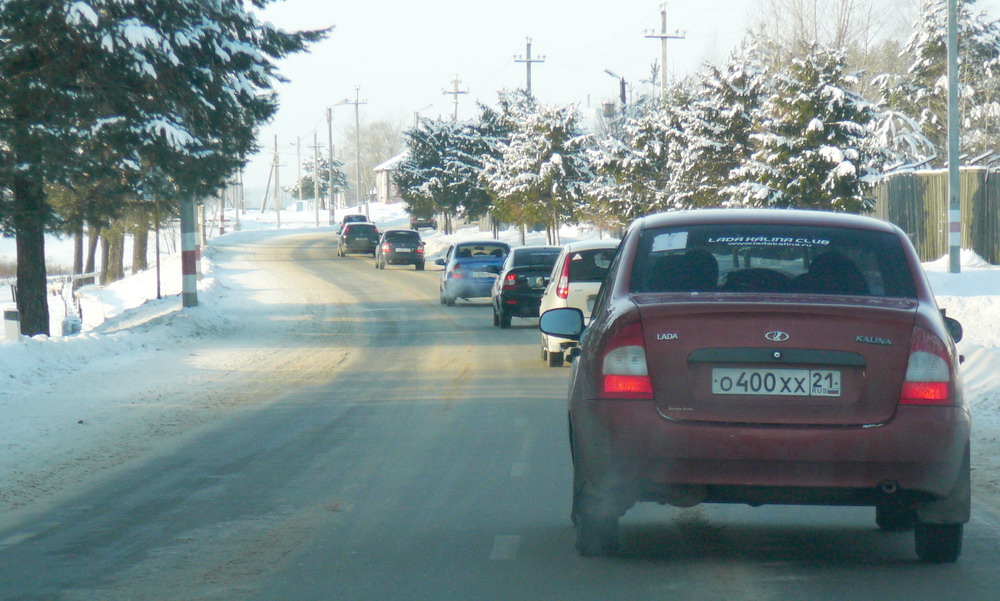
[[329, 188], [315, 175], [189, 260], [357, 148], [277, 184], [954, 178]]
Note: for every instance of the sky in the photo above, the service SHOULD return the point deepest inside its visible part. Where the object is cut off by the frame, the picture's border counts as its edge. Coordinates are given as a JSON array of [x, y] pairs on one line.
[[404, 54]]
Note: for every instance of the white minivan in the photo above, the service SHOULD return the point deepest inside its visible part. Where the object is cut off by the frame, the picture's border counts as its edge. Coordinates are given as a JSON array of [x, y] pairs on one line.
[[576, 279]]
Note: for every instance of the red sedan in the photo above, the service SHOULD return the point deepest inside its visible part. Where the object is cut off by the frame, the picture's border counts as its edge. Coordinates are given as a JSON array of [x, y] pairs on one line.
[[768, 356]]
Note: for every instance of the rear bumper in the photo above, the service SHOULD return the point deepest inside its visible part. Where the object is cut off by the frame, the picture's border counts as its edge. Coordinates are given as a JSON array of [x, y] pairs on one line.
[[628, 448], [468, 288], [521, 305], [403, 259]]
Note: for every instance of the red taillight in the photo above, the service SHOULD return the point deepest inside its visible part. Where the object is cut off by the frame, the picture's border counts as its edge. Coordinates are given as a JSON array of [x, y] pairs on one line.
[[928, 371], [562, 286], [510, 281], [385, 247], [624, 374], [420, 250], [456, 272]]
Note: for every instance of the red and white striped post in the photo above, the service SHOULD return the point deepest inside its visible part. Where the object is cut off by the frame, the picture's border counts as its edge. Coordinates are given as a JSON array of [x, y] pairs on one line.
[[189, 254]]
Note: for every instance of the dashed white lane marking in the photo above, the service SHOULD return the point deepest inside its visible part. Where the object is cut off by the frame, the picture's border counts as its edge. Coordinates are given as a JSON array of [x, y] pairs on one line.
[[13, 540], [519, 469], [505, 547]]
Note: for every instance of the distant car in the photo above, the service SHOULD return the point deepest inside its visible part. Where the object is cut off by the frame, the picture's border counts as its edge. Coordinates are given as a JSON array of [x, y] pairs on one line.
[[358, 238], [419, 222], [400, 247], [768, 357], [575, 280], [357, 218], [470, 268], [517, 292]]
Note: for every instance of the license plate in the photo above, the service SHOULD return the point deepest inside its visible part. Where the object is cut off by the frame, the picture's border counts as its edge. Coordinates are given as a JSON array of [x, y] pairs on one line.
[[404, 250], [484, 274], [776, 382]]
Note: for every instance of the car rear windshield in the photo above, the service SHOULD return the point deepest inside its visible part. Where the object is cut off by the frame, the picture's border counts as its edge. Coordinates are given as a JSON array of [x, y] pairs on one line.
[[402, 236], [542, 258], [360, 229], [590, 265], [482, 251], [772, 259]]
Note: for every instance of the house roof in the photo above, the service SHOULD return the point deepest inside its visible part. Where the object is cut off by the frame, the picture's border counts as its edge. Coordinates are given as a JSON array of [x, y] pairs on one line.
[[391, 164]]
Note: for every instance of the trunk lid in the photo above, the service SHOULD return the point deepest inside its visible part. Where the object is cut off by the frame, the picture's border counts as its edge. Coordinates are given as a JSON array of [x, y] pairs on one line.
[[776, 360]]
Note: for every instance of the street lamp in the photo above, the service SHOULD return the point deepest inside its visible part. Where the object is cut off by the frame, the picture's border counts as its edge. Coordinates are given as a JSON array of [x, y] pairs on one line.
[[416, 114], [621, 81]]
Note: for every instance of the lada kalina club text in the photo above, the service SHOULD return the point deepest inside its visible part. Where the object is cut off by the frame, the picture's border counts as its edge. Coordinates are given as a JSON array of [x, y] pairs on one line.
[[768, 356]]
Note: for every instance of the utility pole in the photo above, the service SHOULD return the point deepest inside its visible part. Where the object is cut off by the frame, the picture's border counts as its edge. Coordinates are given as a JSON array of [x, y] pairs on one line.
[[455, 92], [663, 36], [954, 177], [298, 158], [277, 184], [315, 175], [357, 102], [329, 134], [527, 60]]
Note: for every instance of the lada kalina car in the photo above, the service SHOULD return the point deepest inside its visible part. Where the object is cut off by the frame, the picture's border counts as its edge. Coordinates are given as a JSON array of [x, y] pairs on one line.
[[575, 280], [768, 356], [400, 247], [358, 238], [517, 292], [470, 267]]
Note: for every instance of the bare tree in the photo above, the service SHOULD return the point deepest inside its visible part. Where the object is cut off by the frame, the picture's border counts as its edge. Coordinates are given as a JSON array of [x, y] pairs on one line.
[[379, 140]]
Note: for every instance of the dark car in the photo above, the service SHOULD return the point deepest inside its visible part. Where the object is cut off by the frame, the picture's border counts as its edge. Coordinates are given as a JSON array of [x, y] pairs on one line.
[[400, 247], [417, 222], [358, 238], [768, 356], [356, 218], [517, 292], [470, 268]]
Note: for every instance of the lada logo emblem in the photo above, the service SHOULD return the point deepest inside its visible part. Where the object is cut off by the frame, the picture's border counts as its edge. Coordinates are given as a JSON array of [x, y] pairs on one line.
[[776, 336]]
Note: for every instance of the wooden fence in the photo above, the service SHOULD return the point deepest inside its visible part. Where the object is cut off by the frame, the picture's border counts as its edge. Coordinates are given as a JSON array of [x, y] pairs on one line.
[[917, 201]]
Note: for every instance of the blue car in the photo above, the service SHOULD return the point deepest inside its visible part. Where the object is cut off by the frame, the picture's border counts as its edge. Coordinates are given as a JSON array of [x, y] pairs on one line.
[[470, 268]]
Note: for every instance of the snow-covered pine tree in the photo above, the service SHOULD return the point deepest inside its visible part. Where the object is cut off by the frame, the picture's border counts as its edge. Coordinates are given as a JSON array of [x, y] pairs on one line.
[[722, 119], [811, 148], [441, 171], [922, 92], [634, 165], [541, 172], [94, 86]]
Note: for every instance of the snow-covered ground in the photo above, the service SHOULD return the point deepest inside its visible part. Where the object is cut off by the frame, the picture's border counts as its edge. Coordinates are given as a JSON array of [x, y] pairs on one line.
[[59, 418]]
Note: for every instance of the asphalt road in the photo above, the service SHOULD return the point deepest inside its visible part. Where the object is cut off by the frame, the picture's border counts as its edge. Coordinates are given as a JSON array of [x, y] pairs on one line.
[[429, 463]]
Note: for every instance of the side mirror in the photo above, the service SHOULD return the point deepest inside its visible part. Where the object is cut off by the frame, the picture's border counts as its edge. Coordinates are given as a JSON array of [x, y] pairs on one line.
[[564, 322], [954, 328], [440, 262]]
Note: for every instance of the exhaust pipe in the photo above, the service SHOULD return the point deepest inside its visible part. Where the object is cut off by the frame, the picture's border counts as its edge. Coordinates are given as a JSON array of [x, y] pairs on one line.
[[889, 487]]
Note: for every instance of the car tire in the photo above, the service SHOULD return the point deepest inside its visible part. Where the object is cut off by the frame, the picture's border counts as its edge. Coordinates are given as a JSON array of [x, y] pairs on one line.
[[545, 353], [555, 359], [894, 517], [496, 318], [420, 266], [381, 264], [449, 300], [504, 319], [938, 543], [596, 536]]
